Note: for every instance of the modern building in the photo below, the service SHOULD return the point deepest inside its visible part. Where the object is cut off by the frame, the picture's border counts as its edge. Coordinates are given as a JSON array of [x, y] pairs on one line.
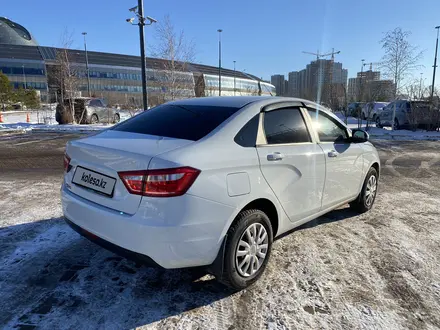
[[278, 81], [294, 84], [367, 86], [318, 80], [369, 75], [115, 77]]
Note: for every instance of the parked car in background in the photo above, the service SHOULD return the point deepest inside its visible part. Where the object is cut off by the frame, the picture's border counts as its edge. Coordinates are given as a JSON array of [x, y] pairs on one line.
[[18, 106], [409, 114], [372, 109], [87, 111], [212, 181], [354, 109]]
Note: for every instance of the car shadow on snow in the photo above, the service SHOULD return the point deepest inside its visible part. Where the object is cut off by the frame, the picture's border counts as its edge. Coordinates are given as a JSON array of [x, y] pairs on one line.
[[54, 278], [339, 214]]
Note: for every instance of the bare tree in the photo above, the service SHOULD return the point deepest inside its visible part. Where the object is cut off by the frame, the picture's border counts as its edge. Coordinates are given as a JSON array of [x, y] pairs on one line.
[[66, 77], [400, 58], [177, 52], [373, 94]]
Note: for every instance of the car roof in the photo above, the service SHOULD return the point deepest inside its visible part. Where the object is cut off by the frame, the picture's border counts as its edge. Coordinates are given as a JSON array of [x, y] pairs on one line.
[[241, 101], [221, 101]]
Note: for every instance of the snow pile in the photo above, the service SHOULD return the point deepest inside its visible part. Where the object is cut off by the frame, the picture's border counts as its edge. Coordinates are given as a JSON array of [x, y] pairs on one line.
[[45, 121]]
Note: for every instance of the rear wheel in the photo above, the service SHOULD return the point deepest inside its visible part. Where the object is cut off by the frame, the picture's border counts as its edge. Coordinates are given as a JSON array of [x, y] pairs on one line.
[[247, 249], [378, 124], [366, 198], [94, 119]]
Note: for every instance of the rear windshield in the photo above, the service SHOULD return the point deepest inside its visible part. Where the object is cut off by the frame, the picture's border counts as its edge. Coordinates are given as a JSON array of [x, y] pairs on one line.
[[186, 122]]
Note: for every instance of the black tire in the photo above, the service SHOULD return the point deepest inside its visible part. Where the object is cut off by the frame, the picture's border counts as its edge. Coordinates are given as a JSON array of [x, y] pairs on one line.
[[231, 276], [58, 118], [361, 204], [378, 124], [396, 124], [116, 118], [94, 119]]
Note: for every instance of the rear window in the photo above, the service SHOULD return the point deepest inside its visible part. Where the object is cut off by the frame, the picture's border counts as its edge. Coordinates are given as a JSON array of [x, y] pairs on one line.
[[186, 122]]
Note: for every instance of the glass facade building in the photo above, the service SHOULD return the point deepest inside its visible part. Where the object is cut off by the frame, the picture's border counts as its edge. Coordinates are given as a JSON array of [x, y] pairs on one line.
[[112, 76]]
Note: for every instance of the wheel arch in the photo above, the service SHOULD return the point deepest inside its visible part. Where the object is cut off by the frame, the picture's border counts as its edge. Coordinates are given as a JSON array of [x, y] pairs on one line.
[[267, 207]]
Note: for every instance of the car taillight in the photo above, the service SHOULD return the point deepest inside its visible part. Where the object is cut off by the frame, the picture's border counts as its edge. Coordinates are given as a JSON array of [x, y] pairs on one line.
[[66, 163], [160, 183]]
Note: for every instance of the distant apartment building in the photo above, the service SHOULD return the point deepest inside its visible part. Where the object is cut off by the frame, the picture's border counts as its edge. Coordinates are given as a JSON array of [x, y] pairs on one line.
[[294, 84], [368, 86], [278, 81], [321, 80], [369, 75]]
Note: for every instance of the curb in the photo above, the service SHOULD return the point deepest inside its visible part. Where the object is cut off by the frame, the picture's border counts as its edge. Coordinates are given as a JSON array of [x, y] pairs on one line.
[[59, 131]]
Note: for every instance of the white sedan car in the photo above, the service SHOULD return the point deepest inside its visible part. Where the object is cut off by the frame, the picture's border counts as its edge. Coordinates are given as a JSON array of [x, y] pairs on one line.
[[212, 181]]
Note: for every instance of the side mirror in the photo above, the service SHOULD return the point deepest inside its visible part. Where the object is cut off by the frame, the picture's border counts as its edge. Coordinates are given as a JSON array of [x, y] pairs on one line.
[[359, 136]]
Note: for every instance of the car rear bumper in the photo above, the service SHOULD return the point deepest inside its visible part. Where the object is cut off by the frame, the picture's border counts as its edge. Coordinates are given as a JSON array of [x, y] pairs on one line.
[[146, 260], [173, 232]]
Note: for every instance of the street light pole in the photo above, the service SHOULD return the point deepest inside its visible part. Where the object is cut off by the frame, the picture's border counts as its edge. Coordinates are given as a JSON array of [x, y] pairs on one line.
[[139, 11], [24, 78], [435, 66], [87, 64], [219, 61], [234, 78], [143, 60], [420, 87]]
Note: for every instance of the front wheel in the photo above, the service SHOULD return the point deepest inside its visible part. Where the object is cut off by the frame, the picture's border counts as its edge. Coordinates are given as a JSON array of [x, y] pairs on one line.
[[247, 249], [367, 196], [94, 119], [396, 124], [116, 118]]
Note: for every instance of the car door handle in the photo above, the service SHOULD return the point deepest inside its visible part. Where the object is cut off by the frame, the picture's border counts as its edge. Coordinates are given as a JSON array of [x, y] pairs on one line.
[[275, 156], [332, 153]]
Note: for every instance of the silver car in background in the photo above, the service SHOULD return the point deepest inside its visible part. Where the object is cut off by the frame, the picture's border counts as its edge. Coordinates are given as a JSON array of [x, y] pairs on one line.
[[408, 114], [372, 109], [87, 111]]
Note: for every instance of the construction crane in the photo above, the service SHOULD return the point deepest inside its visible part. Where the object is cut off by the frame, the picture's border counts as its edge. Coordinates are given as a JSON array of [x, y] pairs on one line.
[[373, 63], [318, 55], [329, 93]]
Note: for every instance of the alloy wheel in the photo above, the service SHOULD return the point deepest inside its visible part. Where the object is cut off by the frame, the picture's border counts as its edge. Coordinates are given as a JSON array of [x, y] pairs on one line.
[[251, 250], [370, 191]]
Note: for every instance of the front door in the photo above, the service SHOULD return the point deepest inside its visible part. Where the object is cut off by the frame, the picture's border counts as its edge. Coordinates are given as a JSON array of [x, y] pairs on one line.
[[291, 162], [343, 159]]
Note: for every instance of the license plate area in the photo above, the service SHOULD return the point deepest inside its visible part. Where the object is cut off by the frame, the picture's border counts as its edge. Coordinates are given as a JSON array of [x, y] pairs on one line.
[[98, 182]]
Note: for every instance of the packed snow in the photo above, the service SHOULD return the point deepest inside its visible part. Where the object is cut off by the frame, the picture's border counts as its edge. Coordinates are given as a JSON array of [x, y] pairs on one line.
[[378, 270]]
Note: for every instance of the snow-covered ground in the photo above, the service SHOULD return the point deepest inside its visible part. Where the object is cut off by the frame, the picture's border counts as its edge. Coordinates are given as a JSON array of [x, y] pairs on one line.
[[44, 120], [378, 270], [388, 133]]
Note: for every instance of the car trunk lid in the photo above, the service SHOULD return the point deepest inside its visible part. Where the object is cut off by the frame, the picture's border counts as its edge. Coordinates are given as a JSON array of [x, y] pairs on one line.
[[95, 162]]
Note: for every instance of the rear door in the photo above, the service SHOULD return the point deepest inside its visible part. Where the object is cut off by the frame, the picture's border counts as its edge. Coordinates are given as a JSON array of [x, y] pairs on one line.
[[343, 159], [291, 162]]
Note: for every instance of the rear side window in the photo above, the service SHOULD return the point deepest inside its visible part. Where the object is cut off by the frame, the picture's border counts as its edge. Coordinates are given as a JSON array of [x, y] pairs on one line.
[[247, 136], [285, 126], [186, 122]]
